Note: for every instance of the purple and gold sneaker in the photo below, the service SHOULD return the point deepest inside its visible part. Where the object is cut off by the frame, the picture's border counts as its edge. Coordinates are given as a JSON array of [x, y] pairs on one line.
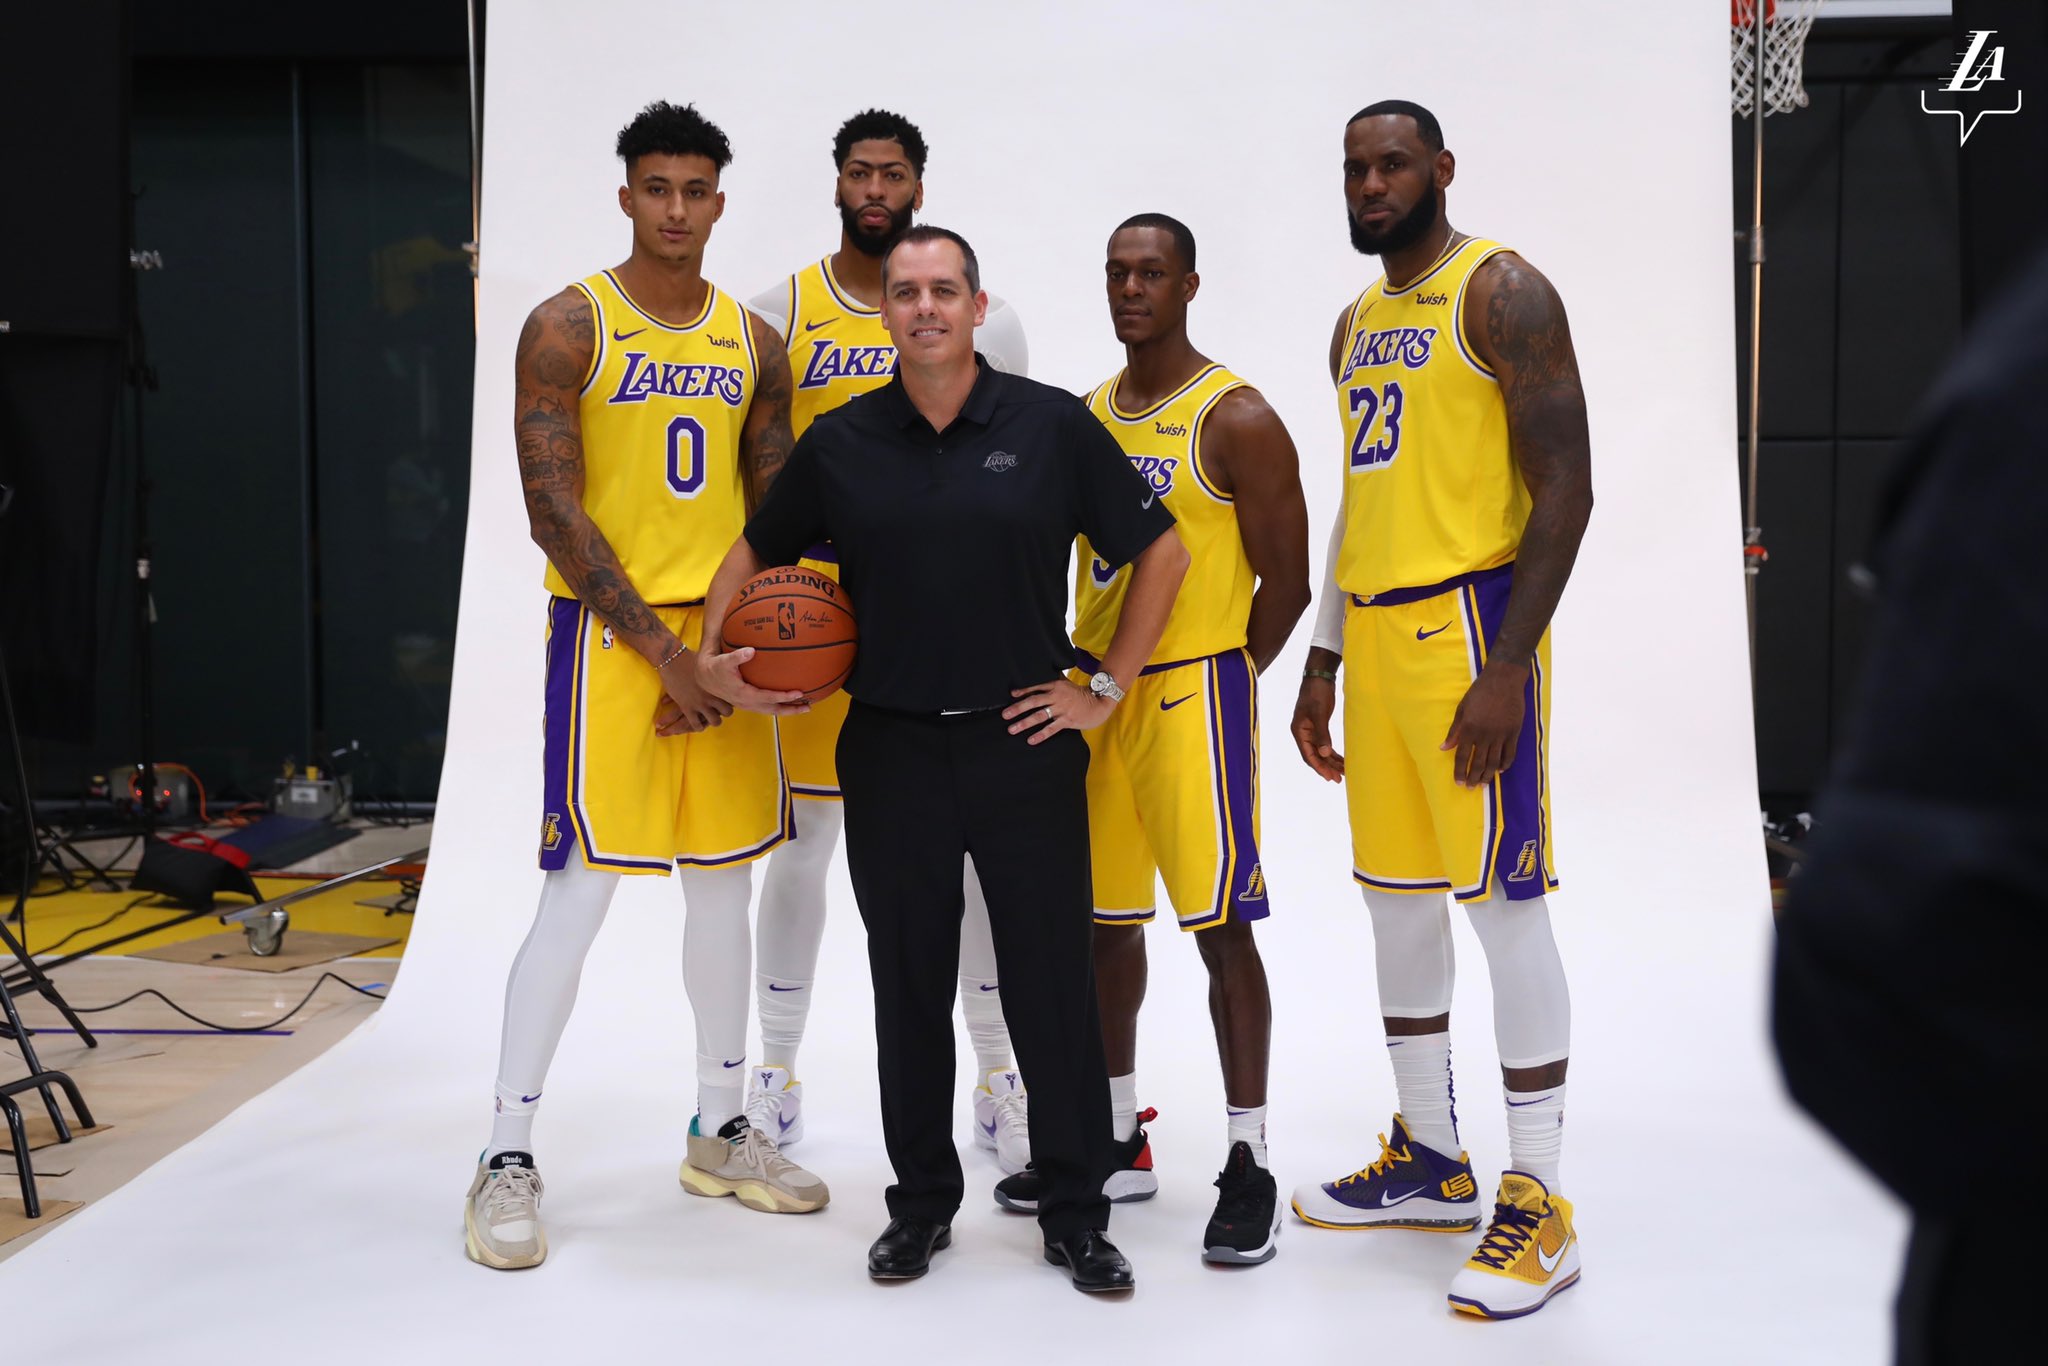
[[1407, 1186]]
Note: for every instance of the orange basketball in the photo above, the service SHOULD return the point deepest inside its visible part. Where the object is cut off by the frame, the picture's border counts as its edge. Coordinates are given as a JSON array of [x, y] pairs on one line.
[[801, 630]]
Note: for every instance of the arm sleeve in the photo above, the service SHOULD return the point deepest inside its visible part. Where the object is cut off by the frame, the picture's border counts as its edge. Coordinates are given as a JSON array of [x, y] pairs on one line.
[[1329, 629], [773, 306], [791, 518], [1117, 510], [1001, 338]]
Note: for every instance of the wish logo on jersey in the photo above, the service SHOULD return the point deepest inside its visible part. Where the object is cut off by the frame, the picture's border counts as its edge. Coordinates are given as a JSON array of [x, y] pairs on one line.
[[829, 361], [1408, 345], [644, 380]]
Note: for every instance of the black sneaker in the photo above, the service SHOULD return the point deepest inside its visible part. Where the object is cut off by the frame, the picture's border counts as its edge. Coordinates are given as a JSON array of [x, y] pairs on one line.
[[1245, 1230], [1130, 1176]]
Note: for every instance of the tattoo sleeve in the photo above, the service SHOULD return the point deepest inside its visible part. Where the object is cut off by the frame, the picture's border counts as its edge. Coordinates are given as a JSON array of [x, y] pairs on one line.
[[765, 441], [554, 353], [1529, 344]]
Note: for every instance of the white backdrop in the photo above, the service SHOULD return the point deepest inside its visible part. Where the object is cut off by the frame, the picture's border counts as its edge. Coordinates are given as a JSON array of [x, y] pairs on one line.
[[1591, 135]]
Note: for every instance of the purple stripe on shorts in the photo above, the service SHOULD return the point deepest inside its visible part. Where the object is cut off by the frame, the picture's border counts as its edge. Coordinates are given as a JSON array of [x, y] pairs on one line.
[[1236, 690], [557, 837], [1518, 861]]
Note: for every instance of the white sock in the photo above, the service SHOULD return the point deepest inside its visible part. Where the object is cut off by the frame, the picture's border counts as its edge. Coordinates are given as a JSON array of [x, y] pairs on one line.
[[1247, 1125], [539, 994], [981, 997], [1536, 1133], [790, 928], [1123, 1106], [718, 953], [1422, 1081]]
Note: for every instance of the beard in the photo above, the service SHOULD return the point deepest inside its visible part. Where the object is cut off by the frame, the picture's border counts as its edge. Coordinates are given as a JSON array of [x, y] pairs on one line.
[[873, 241], [1403, 232]]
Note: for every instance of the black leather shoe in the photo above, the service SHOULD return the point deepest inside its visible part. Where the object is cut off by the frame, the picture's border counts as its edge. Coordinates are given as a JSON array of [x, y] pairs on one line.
[[904, 1251], [1092, 1260]]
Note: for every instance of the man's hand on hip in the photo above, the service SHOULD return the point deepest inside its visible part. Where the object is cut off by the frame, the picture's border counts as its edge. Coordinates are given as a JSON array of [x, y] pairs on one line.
[[1050, 708]]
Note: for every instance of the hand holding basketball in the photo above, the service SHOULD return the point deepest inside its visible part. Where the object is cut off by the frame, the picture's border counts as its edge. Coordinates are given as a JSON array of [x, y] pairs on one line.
[[797, 629]]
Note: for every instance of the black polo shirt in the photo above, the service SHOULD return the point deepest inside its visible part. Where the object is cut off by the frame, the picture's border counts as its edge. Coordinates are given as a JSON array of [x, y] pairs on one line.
[[953, 546]]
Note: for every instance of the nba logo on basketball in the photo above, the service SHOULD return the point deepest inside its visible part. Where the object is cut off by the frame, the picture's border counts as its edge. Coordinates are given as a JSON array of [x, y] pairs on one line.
[[785, 621]]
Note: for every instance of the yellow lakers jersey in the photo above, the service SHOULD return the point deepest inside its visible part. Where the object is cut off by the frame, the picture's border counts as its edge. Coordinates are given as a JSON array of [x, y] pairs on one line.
[[838, 347], [1164, 443], [1431, 490], [662, 410]]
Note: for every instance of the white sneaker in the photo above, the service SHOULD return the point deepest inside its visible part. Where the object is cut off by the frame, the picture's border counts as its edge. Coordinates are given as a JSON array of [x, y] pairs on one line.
[[501, 1220], [775, 1105], [742, 1161], [1002, 1119]]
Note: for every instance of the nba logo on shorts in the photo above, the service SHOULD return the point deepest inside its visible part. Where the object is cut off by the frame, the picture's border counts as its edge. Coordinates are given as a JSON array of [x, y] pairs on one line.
[[550, 830], [606, 641], [785, 621], [1525, 863]]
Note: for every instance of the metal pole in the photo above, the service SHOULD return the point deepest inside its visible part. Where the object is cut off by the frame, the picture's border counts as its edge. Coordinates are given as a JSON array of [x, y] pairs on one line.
[[1752, 535]]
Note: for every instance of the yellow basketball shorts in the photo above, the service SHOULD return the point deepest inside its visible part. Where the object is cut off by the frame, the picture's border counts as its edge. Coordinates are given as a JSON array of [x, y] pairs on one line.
[[1409, 657], [634, 801], [1173, 794], [810, 740]]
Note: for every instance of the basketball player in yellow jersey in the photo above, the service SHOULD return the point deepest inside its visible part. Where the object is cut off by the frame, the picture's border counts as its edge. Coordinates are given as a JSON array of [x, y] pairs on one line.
[[1467, 486], [1173, 776], [650, 408], [829, 315]]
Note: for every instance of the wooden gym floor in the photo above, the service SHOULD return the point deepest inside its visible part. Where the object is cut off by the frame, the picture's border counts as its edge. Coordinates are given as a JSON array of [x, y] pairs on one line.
[[158, 1079]]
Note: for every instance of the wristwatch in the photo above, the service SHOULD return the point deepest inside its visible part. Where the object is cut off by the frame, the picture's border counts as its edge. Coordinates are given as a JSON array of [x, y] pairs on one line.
[[1102, 685]]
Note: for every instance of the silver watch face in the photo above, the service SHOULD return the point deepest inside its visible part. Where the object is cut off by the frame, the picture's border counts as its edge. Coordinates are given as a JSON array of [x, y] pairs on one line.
[[1103, 685]]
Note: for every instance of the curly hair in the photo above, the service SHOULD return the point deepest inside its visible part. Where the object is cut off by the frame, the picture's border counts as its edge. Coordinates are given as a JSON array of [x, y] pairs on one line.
[[879, 125], [664, 129]]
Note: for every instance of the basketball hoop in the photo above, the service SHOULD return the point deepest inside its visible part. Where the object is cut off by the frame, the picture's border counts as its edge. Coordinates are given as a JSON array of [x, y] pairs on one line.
[[1784, 49]]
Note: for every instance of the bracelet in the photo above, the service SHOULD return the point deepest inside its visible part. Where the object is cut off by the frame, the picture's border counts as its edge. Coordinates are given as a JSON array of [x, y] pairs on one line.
[[1324, 674], [674, 655]]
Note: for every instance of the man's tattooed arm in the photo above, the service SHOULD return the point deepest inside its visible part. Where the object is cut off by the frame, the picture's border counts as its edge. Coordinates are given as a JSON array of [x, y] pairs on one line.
[[555, 349], [1528, 344], [765, 440]]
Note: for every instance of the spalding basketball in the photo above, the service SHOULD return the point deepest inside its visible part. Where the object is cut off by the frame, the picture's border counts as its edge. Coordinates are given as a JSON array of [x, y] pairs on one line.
[[800, 628]]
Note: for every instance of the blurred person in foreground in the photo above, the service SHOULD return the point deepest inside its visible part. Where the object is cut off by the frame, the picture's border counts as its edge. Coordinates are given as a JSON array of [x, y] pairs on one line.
[[1908, 956]]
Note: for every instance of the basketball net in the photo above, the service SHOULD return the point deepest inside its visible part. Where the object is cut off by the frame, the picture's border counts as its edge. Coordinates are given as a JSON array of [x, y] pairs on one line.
[[1785, 25]]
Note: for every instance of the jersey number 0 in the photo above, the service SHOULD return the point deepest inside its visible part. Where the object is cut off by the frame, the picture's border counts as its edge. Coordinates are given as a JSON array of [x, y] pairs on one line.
[[685, 457]]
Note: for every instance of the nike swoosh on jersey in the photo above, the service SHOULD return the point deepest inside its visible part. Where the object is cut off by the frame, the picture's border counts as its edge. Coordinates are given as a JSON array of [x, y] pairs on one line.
[[626, 336], [1421, 634], [822, 322], [1165, 705], [1550, 1263]]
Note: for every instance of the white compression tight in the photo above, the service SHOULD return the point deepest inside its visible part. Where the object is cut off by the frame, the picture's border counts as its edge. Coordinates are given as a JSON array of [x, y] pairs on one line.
[[540, 993], [791, 928], [981, 997], [1416, 966], [718, 954]]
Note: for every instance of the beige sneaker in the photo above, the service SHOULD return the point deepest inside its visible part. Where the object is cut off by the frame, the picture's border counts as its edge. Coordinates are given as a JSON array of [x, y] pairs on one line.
[[502, 1217], [743, 1161]]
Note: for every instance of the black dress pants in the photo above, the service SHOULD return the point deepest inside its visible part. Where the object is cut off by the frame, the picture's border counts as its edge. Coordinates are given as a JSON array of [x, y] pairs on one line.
[[921, 791]]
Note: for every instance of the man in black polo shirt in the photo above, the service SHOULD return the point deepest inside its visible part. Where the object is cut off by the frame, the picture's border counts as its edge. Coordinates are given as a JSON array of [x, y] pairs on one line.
[[953, 495]]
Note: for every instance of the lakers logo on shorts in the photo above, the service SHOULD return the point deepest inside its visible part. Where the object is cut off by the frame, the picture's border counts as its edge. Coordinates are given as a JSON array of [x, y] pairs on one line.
[[1525, 863], [550, 830], [1254, 886]]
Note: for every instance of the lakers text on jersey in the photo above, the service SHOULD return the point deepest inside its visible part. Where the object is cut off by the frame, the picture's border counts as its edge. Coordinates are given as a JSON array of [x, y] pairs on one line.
[[662, 409], [1433, 509], [1173, 775], [838, 348]]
